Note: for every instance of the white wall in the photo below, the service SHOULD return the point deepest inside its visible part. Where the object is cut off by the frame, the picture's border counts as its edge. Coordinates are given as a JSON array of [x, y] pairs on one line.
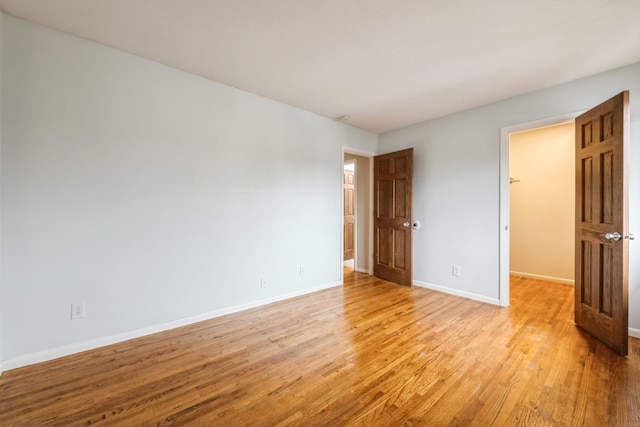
[[152, 194], [456, 187], [543, 202]]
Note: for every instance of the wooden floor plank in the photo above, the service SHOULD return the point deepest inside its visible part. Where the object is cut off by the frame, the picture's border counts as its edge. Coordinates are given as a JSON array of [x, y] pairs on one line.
[[368, 353]]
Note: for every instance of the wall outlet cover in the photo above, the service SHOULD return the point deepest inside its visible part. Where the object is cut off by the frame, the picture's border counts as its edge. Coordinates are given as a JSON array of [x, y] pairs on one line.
[[78, 310], [456, 271]]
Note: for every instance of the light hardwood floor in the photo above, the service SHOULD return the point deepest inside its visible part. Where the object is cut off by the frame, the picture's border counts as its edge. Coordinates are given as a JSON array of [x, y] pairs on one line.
[[370, 353]]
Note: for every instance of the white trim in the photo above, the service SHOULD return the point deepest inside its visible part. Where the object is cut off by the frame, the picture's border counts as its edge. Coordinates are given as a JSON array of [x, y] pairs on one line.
[[457, 292], [69, 349], [542, 277], [503, 229], [357, 152], [362, 270], [634, 332]]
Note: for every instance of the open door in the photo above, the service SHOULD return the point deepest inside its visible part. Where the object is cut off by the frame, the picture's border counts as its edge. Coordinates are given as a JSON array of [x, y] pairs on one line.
[[602, 256], [349, 214], [393, 205]]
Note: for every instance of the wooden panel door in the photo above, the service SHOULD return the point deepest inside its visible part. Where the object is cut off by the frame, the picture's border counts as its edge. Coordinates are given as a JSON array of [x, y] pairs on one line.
[[393, 198], [602, 258], [349, 214]]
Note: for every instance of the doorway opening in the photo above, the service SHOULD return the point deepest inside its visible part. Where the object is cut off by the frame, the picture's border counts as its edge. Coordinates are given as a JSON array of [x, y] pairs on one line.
[[540, 182], [542, 203], [349, 200], [361, 259]]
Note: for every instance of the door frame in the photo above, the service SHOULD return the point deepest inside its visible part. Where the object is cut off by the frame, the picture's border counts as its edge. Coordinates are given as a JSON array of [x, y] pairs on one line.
[[370, 155], [505, 210], [355, 209]]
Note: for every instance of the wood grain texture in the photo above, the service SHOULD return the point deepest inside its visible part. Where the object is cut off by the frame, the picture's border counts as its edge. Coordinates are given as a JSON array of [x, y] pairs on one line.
[[349, 189], [393, 207], [602, 265], [370, 353]]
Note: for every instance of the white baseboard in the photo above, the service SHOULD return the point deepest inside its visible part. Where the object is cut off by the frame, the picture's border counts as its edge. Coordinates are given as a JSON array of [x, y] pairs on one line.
[[456, 292], [362, 270], [542, 277], [67, 350]]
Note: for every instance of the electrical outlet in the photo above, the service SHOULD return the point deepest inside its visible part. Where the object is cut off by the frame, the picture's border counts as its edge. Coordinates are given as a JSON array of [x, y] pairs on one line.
[[302, 270], [263, 282], [78, 311], [456, 271]]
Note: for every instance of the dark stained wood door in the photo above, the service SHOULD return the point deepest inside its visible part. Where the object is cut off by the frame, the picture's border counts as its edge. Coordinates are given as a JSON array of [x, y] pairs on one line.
[[349, 214], [393, 205], [602, 257]]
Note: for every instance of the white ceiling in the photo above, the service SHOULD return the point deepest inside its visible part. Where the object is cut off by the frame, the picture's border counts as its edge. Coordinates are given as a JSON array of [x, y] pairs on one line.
[[385, 63]]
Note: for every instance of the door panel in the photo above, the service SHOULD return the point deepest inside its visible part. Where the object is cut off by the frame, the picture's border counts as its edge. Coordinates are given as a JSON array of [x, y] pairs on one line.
[[349, 214], [393, 199], [602, 263]]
